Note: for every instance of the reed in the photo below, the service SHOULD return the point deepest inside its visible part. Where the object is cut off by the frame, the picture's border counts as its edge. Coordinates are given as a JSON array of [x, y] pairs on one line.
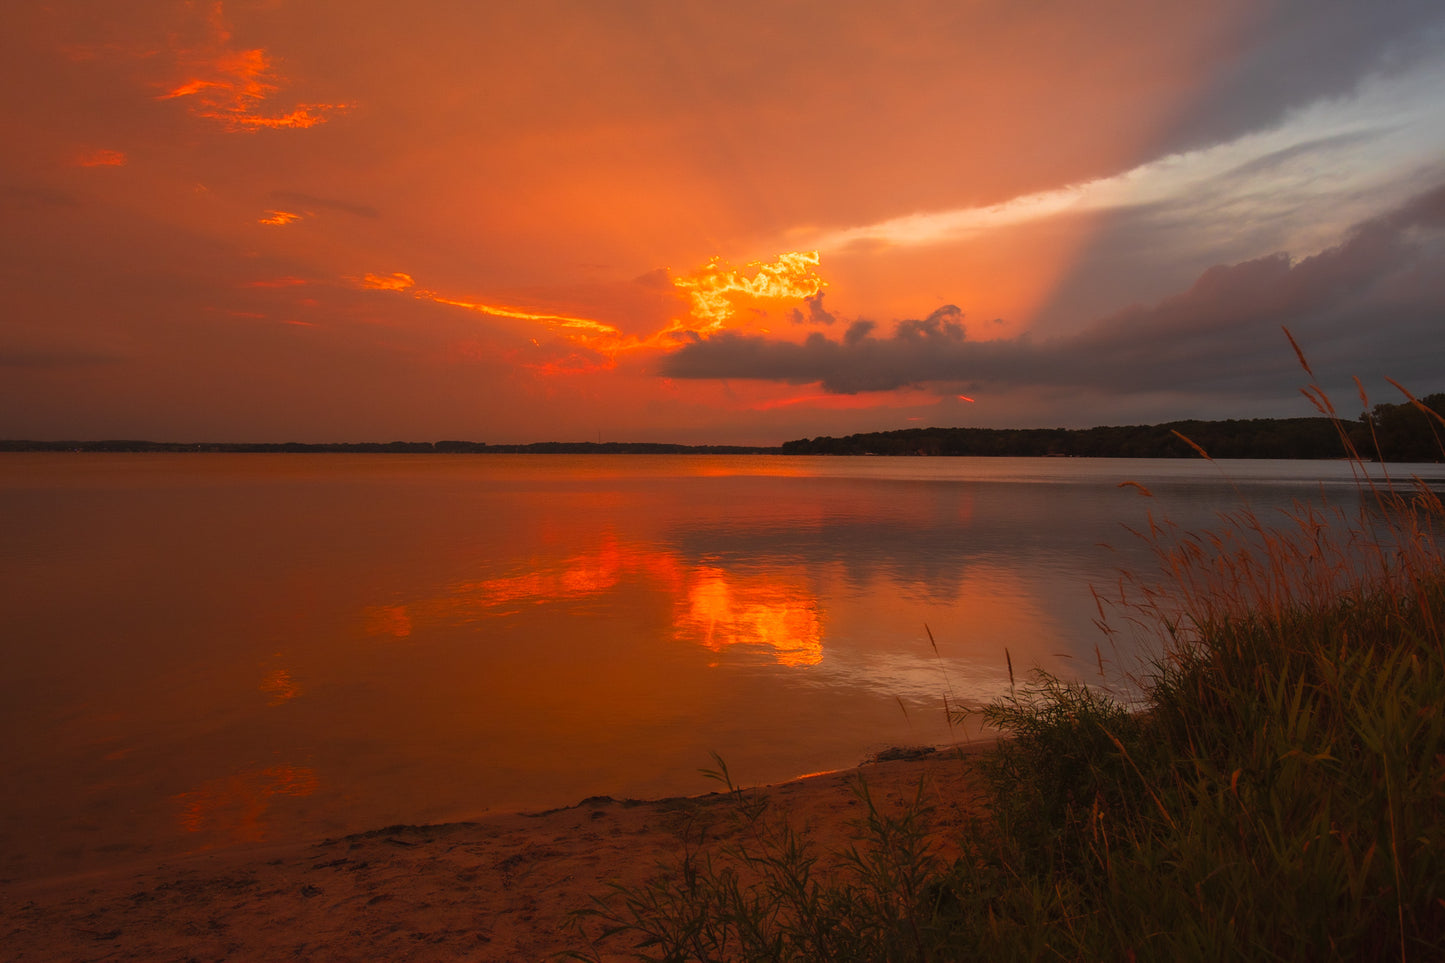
[[1280, 793]]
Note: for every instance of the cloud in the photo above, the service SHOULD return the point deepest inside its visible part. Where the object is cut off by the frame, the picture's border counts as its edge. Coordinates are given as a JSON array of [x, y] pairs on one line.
[[311, 201], [715, 288], [917, 352], [101, 158], [817, 314], [594, 334], [277, 218], [1375, 300], [396, 281], [234, 86], [1278, 64]]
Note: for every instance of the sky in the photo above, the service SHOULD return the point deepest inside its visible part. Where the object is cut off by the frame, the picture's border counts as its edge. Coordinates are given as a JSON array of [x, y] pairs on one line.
[[739, 223]]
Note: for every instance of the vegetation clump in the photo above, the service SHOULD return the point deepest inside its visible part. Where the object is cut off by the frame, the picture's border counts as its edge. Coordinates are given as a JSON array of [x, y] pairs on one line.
[[1279, 794]]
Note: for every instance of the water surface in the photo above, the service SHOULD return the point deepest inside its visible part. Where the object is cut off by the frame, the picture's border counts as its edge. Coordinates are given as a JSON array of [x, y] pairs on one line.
[[206, 649]]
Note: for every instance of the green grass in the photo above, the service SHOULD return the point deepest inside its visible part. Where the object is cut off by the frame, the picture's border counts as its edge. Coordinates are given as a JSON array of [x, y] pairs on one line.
[[1279, 796]]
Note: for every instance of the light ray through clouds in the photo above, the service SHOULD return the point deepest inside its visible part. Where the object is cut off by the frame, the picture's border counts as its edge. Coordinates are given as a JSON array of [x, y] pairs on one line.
[[1352, 144], [1146, 186]]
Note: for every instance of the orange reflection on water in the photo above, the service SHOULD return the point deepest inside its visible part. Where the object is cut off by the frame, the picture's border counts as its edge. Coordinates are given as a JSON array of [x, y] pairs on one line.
[[390, 620], [232, 809], [720, 613], [580, 576], [713, 608], [281, 687]]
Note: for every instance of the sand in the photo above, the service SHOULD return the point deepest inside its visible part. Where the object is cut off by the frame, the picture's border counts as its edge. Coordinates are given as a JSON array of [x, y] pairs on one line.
[[502, 888]]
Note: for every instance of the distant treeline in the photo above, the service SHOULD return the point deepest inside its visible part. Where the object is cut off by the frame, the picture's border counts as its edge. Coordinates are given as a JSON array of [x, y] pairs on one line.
[[1400, 433], [398, 447], [1388, 432]]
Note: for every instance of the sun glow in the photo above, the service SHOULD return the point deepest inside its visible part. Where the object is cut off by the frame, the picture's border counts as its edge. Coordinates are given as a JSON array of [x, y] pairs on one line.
[[713, 289], [714, 292]]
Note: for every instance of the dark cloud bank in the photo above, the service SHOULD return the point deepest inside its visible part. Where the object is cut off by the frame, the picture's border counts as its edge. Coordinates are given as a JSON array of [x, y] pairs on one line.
[[1372, 306], [1295, 52]]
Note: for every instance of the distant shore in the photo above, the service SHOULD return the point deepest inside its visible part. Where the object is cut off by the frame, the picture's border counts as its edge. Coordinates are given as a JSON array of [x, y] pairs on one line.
[[388, 448], [1400, 433]]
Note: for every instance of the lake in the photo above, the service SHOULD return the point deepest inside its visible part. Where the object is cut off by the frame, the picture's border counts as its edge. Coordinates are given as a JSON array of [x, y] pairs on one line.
[[208, 650]]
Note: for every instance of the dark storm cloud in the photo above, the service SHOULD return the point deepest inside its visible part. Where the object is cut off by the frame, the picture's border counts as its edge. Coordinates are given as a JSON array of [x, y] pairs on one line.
[[1374, 304], [817, 314], [1297, 52], [324, 203], [860, 362]]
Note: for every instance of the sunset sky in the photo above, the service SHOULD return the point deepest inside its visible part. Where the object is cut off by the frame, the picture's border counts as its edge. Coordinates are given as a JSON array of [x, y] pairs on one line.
[[273, 220]]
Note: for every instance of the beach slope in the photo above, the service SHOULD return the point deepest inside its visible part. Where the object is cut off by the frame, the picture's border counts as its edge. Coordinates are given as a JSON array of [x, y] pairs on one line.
[[504, 887]]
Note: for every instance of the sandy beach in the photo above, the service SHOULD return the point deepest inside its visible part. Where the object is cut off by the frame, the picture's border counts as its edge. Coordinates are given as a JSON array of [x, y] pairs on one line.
[[502, 888]]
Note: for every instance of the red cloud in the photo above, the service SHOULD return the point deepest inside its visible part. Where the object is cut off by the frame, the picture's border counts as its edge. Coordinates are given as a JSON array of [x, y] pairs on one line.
[[101, 158], [232, 86]]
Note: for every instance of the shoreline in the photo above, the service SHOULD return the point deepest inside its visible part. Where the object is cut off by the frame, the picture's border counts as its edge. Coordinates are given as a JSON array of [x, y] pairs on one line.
[[501, 887]]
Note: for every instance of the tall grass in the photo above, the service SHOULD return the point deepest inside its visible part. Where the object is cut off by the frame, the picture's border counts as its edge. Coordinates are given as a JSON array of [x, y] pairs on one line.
[[749, 885], [1280, 795]]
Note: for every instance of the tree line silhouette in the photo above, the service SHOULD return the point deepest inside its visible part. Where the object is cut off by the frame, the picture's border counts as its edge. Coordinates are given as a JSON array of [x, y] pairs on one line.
[[1401, 433], [1389, 432]]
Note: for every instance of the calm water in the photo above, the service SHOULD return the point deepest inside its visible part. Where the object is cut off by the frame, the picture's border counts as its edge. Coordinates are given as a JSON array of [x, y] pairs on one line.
[[208, 650]]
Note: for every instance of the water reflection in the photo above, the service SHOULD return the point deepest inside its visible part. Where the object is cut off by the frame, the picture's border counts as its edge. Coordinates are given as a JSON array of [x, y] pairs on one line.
[[712, 608], [761, 615], [368, 640], [279, 685], [233, 809], [392, 620]]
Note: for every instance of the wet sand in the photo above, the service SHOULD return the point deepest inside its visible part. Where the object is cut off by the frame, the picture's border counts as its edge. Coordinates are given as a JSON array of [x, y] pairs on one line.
[[502, 888]]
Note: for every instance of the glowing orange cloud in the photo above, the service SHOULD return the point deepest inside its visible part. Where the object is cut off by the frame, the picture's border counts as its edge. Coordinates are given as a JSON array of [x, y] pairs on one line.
[[387, 282], [899, 398], [713, 288], [713, 291], [232, 85], [278, 217], [593, 334], [561, 320], [572, 364], [102, 158], [965, 398], [278, 283]]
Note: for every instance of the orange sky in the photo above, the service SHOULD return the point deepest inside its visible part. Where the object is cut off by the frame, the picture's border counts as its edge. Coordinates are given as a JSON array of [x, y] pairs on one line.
[[509, 222]]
